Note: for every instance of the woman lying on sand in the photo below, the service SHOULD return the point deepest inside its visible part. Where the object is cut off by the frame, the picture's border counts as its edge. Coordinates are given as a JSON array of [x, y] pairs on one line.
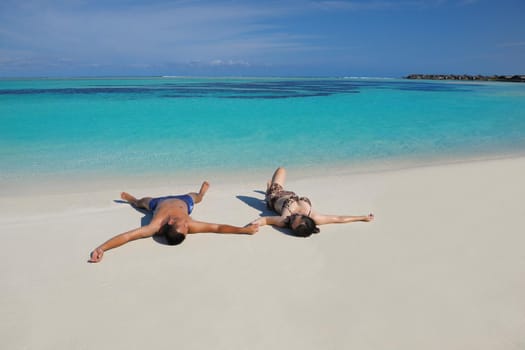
[[171, 217], [296, 212]]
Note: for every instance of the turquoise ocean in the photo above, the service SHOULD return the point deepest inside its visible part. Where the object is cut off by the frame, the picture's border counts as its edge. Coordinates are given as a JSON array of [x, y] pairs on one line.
[[60, 128]]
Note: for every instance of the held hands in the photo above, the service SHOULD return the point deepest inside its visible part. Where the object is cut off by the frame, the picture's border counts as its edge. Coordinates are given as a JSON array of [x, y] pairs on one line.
[[252, 228], [96, 255], [258, 222]]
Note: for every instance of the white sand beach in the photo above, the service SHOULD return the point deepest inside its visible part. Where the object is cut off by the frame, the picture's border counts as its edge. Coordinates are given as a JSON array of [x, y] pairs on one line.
[[441, 267]]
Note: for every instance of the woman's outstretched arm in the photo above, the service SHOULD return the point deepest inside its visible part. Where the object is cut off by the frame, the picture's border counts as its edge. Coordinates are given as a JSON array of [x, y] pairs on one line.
[[340, 219], [271, 220]]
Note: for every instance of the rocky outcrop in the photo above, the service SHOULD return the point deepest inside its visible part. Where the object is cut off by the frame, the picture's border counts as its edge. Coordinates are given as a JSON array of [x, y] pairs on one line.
[[509, 78]]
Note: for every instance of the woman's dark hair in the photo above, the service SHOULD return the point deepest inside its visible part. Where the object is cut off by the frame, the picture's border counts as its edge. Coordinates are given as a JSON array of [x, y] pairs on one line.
[[306, 227], [173, 237]]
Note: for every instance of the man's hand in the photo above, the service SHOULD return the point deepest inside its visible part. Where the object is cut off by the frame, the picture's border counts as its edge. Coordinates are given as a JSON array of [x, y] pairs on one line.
[[252, 228], [96, 255]]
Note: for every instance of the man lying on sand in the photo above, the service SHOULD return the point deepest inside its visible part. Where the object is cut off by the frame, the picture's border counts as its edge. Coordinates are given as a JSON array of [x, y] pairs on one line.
[[171, 218], [296, 212]]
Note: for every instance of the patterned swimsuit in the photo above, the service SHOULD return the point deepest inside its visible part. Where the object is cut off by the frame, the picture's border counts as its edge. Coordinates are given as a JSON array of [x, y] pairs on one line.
[[276, 192]]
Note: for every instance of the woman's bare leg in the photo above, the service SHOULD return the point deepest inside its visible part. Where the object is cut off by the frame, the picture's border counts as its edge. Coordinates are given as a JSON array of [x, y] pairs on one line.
[[279, 177], [142, 203], [197, 197]]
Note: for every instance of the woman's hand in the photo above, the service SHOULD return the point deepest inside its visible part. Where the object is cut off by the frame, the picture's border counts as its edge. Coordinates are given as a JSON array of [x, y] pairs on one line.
[[369, 217], [270, 220], [258, 222]]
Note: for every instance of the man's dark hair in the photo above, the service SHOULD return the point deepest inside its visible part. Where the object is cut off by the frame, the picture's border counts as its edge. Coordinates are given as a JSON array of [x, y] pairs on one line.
[[306, 227], [173, 237]]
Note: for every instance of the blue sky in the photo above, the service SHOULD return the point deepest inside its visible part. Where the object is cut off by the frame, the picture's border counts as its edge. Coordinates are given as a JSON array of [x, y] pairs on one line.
[[301, 37]]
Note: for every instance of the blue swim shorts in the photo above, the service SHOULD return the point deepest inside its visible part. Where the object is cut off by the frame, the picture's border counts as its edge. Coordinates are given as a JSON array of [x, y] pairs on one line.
[[186, 198]]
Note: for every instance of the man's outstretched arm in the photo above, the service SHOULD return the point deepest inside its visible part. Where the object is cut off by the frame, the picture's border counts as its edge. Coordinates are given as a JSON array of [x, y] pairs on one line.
[[201, 227], [118, 240]]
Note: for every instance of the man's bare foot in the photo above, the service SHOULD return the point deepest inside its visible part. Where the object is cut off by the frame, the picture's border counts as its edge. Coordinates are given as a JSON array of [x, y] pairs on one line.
[[128, 198], [197, 197], [204, 188]]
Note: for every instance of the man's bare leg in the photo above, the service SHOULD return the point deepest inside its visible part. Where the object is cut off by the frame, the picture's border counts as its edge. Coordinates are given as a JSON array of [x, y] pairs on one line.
[[142, 203], [197, 197]]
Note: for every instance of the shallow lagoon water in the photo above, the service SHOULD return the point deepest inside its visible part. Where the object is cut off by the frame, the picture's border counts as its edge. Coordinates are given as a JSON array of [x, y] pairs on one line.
[[156, 126]]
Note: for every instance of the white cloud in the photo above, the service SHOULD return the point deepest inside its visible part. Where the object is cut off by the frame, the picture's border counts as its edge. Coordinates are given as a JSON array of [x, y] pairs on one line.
[[229, 63], [180, 32], [468, 2], [336, 5], [380, 5], [513, 44]]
